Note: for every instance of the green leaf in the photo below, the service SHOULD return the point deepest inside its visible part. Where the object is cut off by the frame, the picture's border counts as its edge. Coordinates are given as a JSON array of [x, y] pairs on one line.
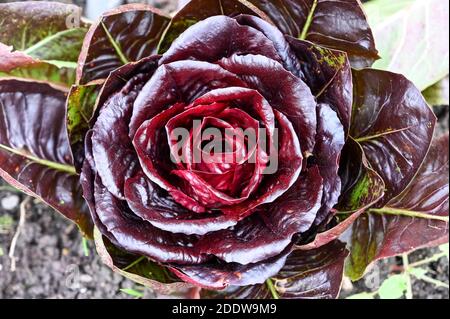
[[80, 108], [437, 94], [412, 38], [394, 287], [85, 244], [30, 68], [62, 64], [63, 46], [378, 11], [133, 293], [46, 36], [1, 252], [6, 223]]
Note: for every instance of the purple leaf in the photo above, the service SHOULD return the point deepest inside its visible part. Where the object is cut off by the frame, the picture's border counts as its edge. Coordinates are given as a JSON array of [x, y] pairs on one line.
[[34, 151], [417, 218], [125, 34], [394, 126], [312, 274]]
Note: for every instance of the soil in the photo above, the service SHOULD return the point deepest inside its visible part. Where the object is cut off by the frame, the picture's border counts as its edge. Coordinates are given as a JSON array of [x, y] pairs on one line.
[[50, 261]]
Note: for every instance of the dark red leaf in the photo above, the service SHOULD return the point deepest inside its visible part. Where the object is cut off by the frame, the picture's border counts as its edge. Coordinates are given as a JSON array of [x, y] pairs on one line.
[[125, 34], [415, 219], [156, 206], [141, 271], [328, 74], [197, 10], [394, 125], [327, 154], [12, 60], [284, 92], [181, 81], [313, 274], [219, 37], [34, 151], [339, 24]]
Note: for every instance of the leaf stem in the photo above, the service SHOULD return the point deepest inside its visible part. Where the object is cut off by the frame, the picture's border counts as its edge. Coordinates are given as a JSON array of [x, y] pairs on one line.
[[134, 263], [60, 167], [116, 46], [133, 293], [84, 242], [272, 289], [430, 280], [372, 137], [308, 22], [8, 188], [409, 213], [409, 292], [427, 260], [47, 40]]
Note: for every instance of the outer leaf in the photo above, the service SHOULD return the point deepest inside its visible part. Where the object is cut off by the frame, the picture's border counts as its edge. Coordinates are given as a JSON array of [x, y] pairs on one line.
[[41, 71], [394, 125], [140, 270], [34, 152], [339, 24], [307, 274], [63, 46], [412, 37], [438, 93], [25, 24], [125, 34], [417, 218], [11, 60], [47, 39]]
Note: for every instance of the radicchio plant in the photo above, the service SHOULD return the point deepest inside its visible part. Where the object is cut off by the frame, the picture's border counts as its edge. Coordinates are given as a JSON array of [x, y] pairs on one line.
[[353, 182]]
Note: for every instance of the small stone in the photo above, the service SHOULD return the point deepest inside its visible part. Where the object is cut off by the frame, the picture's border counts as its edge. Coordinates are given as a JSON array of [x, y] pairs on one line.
[[347, 284], [10, 202], [86, 278], [65, 252]]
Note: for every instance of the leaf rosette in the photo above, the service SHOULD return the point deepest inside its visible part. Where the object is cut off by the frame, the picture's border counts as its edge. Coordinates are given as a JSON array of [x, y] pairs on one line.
[[268, 214]]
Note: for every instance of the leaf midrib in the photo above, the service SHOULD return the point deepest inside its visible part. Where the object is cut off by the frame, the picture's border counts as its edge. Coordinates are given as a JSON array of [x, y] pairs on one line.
[[408, 213], [57, 166], [308, 22]]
